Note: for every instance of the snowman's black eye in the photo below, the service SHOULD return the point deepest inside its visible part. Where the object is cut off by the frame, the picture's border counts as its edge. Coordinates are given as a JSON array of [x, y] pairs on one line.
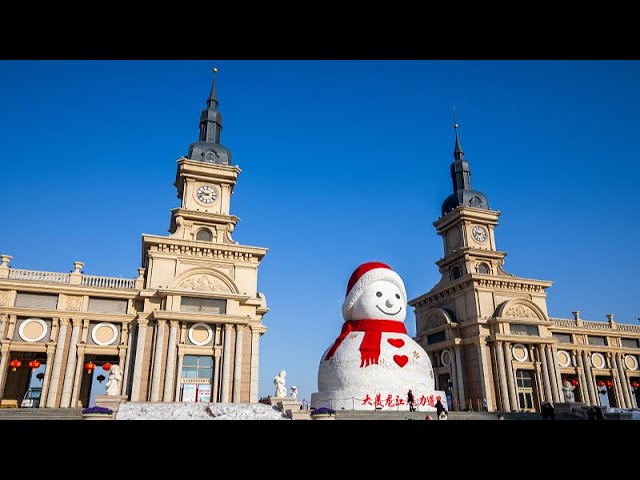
[[378, 294], [398, 296]]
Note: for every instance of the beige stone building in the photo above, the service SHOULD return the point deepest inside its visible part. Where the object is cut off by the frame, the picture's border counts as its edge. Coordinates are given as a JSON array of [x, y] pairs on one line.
[[187, 328], [491, 340]]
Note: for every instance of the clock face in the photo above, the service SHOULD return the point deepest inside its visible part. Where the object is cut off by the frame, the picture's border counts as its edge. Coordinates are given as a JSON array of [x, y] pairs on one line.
[[479, 234], [206, 194]]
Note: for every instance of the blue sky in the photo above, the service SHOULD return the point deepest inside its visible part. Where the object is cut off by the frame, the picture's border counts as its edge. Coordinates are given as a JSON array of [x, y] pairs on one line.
[[343, 162]]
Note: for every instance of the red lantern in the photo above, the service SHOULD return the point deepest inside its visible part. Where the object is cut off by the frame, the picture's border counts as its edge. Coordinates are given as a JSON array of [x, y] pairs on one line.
[[89, 367], [15, 363], [635, 384], [609, 384], [106, 367], [40, 376], [100, 378], [34, 365], [574, 382]]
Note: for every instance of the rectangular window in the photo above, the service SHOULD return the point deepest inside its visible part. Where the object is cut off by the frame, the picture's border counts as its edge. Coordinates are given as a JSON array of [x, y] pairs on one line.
[[630, 343], [203, 305], [562, 337], [40, 301], [436, 338], [599, 341], [524, 330], [108, 305]]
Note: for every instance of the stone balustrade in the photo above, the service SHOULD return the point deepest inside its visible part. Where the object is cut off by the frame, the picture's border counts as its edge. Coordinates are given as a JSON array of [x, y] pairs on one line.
[[563, 322]]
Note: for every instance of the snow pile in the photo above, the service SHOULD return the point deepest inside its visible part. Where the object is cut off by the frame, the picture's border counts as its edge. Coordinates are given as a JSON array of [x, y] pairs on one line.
[[198, 411]]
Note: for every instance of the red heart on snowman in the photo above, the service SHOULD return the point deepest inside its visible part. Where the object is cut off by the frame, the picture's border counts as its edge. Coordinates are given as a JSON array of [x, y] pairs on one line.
[[396, 342], [401, 360]]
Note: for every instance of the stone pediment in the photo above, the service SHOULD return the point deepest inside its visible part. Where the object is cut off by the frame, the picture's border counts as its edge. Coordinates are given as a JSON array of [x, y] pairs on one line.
[[434, 319], [205, 281], [519, 308]]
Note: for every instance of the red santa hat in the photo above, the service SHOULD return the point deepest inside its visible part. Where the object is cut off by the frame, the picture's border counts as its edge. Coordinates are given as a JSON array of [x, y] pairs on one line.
[[365, 275]]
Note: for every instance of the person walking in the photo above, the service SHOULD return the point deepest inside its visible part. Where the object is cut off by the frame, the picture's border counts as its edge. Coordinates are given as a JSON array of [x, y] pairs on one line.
[[410, 401]]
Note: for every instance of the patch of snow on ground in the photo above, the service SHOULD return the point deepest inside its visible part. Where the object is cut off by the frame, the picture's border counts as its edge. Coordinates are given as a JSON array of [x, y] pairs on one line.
[[198, 411]]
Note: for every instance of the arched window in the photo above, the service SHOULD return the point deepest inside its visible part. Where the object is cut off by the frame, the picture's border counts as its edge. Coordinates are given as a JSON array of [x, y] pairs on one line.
[[204, 235], [455, 272], [483, 268]]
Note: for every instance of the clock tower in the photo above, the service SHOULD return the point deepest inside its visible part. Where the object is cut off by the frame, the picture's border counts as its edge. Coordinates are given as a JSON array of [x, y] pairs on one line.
[[472, 321], [199, 330]]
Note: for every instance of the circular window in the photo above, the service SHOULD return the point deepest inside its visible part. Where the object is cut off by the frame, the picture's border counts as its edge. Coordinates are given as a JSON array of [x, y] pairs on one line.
[[631, 362], [200, 334], [104, 333], [564, 359], [33, 330], [597, 360], [520, 352], [445, 358]]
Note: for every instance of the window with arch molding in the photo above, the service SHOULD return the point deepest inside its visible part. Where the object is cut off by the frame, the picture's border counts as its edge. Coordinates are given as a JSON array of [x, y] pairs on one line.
[[483, 268], [204, 235]]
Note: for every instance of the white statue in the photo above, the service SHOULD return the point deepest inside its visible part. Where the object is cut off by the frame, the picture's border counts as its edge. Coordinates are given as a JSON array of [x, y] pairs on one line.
[[294, 392], [278, 381], [115, 379], [567, 390]]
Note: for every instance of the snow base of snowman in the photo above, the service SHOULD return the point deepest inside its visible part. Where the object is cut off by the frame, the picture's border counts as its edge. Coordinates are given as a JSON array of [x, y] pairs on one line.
[[383, 400]]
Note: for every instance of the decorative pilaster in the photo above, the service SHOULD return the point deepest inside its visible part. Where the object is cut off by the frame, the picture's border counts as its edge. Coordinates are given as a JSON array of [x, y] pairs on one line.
[[226, 363], [137, 368], [454, 382], [57, 365], [504, 392], [624, 381], [255, 363], [552, 374], [4, 367], [545, 374], [157, 361], [47, 377], [126, 368], [170, 374], [215, 391], [508, 364], [70, 369], [556, 372], [584, 387], [3, 321], [589, 376], [77, 378], [461, 397], [11, 326], [178, 383], [237, 364]]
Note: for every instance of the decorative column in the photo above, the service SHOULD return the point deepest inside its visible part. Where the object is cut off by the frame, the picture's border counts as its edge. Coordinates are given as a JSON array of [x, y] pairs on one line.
[[3, 320], [508, 363], [255, 363], [54, 383], [504, 392], [137, 368], [4, 366], [78, 378], [461, 398], [178, 382], [69, 372], [624, 381], [552, 374], [556, 371], [126, 368], [584, 388], [589, 376], [171, 362], [237, 365], [226, 363], [157, 361], [454, 381], [625, 401], [47, 377], [216, 375], [545, 374]]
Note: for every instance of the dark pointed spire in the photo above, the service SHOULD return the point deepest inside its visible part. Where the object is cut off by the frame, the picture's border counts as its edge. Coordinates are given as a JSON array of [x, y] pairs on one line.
[[208, 148], [463, 194]]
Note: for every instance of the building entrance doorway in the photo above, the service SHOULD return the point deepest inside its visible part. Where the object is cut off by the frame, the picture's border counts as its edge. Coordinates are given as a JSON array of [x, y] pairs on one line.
[[196, 378], [26, 381], [525, 387]]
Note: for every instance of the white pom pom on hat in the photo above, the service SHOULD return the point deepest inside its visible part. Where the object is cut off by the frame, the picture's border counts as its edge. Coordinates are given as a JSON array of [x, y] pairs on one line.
[[365, 275]]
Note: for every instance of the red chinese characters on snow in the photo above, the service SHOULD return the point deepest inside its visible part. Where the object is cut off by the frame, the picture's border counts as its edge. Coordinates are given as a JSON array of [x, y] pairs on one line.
[[378, 401]]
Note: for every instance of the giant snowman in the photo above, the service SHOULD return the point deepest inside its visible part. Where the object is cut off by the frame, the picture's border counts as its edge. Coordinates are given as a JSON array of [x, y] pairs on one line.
[[374, 363]]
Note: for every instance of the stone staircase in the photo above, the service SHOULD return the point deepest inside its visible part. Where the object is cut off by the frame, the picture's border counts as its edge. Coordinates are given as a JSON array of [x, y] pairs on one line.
[[382, 415], [41, 414]]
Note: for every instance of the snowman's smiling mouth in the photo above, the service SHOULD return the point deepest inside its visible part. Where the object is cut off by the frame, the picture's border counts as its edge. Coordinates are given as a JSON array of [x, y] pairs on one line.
[[388, 313]]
